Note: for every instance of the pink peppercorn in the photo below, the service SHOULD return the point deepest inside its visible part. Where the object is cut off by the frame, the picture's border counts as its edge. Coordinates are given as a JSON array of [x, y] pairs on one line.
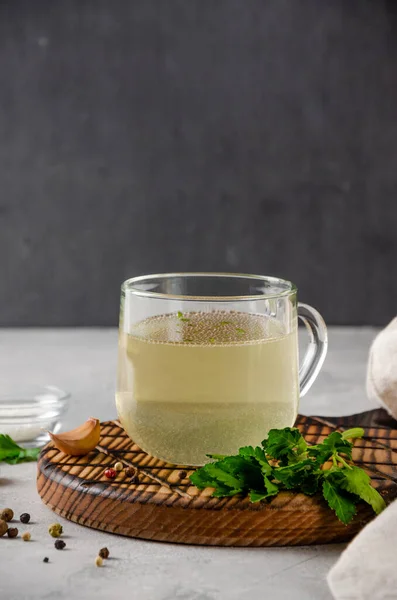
[[110, 473]]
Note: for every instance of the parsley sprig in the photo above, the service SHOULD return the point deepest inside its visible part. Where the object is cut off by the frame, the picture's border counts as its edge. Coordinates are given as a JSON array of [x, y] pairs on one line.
[[12, 454], [181, 317], [285, 461]]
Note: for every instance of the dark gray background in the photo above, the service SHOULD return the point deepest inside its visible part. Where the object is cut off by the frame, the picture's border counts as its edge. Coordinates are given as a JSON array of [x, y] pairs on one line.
[[143, 136]]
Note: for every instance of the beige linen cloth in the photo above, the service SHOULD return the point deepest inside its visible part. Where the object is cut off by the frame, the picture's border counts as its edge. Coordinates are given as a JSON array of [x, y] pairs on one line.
[[367, 569]]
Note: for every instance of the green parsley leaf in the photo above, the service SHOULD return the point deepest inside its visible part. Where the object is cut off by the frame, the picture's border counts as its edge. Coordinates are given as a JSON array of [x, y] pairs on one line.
[[271, 490], [259, 455], [247, 451], [12, 454], [256, 496], [221, 492], [303, 476], [310, 485], [357, 481], [332, 445], [338, 500], [181, 317], [202, 479], [271, 487], [221, 473], [235, 472], [351, 434], [286, 444], [290, 475]]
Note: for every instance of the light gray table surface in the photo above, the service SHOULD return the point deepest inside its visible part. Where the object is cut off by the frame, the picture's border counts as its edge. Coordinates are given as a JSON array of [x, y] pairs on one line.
[[83, 361]]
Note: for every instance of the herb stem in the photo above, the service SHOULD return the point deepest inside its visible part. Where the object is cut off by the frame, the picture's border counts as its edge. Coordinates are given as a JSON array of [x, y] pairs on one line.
[[342, 460]]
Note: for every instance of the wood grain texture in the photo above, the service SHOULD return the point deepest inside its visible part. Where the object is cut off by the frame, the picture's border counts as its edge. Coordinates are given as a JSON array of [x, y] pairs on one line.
[[163, 506]]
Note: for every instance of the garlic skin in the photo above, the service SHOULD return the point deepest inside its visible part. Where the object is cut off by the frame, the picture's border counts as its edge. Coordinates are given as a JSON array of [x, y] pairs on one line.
[[79, 441], [382, 369]]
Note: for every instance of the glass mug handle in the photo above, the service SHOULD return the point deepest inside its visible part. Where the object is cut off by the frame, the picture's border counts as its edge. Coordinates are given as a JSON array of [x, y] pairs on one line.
[[317, 349]]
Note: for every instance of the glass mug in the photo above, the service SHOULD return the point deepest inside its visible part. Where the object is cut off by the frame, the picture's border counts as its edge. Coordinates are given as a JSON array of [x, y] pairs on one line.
[[208, 362]]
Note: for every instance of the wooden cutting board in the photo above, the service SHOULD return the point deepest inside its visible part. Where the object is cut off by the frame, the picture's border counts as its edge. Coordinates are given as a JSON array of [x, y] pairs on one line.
[[164, 506]]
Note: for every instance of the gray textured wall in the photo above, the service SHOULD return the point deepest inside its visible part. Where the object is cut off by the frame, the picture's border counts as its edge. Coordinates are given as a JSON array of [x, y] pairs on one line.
[[244, 135]]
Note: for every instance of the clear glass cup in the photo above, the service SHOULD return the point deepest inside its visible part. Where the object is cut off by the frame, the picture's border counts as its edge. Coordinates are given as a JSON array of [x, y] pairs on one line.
[[208, 362]]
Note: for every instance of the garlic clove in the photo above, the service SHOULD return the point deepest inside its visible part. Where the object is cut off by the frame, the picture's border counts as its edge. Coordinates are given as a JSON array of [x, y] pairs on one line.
[[79, 441]]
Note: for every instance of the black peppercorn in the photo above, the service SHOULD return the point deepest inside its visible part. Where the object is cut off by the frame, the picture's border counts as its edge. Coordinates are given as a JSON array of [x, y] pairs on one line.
[[46, 559], [24, 518], [103, 553], [182, 474], [59, 544], [130, 471], [12, 532]]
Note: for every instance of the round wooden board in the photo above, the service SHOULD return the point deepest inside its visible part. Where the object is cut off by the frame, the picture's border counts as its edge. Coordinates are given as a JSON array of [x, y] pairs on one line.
[[164, 506]]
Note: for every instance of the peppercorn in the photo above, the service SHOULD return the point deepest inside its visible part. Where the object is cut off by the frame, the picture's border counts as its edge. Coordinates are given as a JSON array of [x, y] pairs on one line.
[[7, 514], [46, 559], [110, 473], [103, 553], [118, 466], [59, 544], [130, 471], [182, 474], [24, 518], [99, 561], [55, 530], [12, 532], [3, 527], [26, 536]]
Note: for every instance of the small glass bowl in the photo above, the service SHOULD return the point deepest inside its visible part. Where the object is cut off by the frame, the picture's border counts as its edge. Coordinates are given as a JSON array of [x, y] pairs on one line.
[[28, 413]]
